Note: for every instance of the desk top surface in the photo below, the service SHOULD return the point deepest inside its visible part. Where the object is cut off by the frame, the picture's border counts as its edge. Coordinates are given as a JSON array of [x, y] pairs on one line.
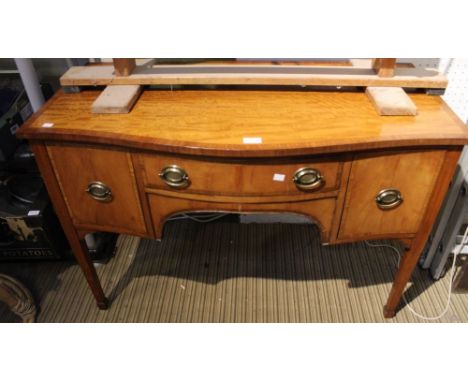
[[216, 122]]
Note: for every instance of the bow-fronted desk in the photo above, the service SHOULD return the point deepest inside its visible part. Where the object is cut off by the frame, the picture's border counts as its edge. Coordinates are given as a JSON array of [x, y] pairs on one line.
[[327, 155]]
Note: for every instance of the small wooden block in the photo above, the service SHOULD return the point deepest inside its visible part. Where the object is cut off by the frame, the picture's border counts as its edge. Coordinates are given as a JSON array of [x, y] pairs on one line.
[[385, 67], [124, 66], [391, 101], [116, 99]]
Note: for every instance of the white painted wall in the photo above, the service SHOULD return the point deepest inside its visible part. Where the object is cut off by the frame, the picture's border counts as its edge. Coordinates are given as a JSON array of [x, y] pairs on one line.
[[456, 69]]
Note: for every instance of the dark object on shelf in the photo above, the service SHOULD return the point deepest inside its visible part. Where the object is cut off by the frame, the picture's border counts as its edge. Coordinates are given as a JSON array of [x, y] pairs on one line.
[[15, 109], [29, 228], [22, 161]]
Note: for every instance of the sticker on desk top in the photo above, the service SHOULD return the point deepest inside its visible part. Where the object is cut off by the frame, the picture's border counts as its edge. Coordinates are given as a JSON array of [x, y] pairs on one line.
[[279, 177], [34, 213], [47, 124], [252, 140]]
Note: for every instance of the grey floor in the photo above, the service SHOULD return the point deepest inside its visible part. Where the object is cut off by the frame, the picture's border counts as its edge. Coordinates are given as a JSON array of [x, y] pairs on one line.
[[230, 272]]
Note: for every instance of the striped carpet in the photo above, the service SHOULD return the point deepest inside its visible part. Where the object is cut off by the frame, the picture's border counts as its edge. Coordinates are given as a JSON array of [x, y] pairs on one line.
[[230, 272]]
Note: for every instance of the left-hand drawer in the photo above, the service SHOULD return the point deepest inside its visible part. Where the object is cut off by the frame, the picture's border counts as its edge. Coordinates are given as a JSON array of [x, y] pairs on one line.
[[99, 188]]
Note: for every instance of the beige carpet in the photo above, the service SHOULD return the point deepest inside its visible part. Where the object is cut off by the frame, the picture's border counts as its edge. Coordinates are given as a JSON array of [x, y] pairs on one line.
[[229, 272]]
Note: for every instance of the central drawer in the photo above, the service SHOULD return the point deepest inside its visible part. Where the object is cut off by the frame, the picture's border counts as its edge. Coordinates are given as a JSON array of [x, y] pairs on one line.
[[240, 177]]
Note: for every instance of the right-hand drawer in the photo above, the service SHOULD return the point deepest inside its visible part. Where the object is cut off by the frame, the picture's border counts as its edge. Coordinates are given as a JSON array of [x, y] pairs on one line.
[[240, 177], [388, 193]]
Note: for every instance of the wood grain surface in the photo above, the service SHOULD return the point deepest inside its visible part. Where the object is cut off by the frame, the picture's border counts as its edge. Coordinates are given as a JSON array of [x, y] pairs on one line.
[[77, 167], [385, 67], [254, 75], [412, 173], [410, 258], [77, 242], [164, 206], [124, 66], [240, 178], [116, 99], [216, 122], [391, 101], [232, 142]]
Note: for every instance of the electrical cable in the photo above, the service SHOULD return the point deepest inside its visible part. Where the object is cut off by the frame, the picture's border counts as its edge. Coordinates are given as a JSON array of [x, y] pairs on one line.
[[206, 218], [452, 274]]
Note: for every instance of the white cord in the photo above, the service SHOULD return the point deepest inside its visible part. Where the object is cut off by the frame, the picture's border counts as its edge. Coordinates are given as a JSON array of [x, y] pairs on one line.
[[199, 219], [452, 274], [211, 217]]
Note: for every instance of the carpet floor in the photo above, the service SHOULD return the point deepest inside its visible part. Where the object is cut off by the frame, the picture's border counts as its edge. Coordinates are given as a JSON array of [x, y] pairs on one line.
[[229, 272]]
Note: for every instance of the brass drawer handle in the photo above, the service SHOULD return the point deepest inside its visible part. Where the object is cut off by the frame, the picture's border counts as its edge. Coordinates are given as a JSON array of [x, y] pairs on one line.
[[308, 179], [388, 199], [174, 176], [99, 191]]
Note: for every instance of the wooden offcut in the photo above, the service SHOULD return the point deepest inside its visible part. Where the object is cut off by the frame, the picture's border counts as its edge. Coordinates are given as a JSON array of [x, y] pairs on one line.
[[116, 99], [384, 67], [254, 75], [124, 66], [391, 101]]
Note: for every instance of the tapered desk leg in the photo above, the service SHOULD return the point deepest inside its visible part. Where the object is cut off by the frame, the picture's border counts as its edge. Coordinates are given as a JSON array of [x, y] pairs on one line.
[[407, 265], [77, 244], [81, 253], [411, 256]]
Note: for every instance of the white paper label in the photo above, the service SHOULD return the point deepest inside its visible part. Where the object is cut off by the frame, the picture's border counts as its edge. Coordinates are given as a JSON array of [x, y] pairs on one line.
[[48, 124], [252, 140], [279, 177], [34, 213]]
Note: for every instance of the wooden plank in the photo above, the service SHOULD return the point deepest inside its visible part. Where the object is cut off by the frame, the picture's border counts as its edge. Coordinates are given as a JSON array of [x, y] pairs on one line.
[[116, 99], [124, 66], [368, 63], [253, 75], [391, 101], [385, 67], [231, 61]]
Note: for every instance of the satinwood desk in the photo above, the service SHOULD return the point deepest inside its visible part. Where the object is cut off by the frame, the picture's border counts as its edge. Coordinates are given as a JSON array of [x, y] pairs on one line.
[[327, 155]]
